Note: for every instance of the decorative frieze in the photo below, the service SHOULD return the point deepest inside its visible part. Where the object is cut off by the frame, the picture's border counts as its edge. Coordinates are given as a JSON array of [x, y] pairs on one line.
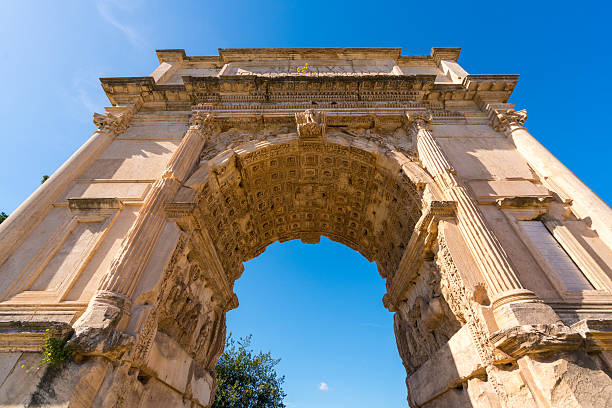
[[369, 88]]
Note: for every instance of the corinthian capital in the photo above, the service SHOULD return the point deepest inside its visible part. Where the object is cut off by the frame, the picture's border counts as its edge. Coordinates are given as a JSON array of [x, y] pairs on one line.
[[311, 124], [203, 122], [115, 123], [419, 120], [503, 120]]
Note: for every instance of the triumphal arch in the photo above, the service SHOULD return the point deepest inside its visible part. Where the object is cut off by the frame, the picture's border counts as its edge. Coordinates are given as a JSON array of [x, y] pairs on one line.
[[497, 259]]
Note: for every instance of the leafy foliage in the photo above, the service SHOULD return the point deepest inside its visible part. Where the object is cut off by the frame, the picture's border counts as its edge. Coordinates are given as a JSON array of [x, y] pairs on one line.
[[3, 216], [247, 380], [56, 351], [44, 178]]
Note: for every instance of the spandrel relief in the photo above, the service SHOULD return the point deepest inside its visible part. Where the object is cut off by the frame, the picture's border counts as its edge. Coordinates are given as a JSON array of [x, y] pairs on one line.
[[425, 321]]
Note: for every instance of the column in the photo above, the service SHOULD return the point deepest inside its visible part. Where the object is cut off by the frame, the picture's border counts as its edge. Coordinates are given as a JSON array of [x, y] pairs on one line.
[[493, 262], [585, 202], [111, 300]]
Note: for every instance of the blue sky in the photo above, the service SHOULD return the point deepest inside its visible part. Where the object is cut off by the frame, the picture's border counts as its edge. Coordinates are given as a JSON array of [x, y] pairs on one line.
[[317, 307]]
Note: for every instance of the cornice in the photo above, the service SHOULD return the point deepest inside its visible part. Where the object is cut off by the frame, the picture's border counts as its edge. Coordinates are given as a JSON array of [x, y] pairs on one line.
[[445, 53], [170, 55], [243, 88], [243, 54], [227, 55]]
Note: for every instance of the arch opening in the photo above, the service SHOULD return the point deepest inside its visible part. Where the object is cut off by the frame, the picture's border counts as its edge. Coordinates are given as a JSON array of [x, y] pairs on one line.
[[318, 308], [285, 188], [342, 186]]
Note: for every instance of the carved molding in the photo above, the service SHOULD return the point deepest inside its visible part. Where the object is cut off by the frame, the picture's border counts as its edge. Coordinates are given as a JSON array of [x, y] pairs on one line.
[[531, 339], [20, 336], [597, 333], [418, 247], [589, 334]]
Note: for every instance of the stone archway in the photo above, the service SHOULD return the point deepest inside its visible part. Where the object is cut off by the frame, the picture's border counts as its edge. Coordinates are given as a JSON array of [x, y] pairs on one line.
[[133, 246], [274, 184], [281, 181], [286, 185]]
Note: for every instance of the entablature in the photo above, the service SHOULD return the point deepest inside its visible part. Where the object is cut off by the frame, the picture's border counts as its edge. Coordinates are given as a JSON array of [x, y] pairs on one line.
[[253, 89], [274, 75]]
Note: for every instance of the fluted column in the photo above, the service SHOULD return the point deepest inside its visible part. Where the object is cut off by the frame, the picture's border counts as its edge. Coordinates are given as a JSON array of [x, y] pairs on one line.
[[493, 262], [585, 202], [118, 284]]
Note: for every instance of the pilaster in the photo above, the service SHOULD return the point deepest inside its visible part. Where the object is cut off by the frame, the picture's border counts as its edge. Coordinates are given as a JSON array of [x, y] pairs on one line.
[[502, 281], [584, 202]]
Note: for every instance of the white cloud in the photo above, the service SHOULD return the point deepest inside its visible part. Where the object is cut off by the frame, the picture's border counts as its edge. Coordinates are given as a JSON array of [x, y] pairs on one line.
[[86, 92], [105, 9], [323, 386]]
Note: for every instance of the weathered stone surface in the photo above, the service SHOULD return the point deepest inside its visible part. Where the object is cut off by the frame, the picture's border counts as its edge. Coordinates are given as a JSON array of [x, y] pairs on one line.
[[567, 380], [169, 362], [136, 242], [460, 361], [21, 379], [202, 385]]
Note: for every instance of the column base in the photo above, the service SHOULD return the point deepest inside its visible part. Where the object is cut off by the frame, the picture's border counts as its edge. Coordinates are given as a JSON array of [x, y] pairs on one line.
[[98, 330], [520, 307]]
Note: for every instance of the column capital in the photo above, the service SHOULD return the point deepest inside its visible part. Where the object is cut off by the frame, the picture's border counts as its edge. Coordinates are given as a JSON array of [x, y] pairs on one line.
[[507, 120], [419, 120], [112, 122], [204, 123]]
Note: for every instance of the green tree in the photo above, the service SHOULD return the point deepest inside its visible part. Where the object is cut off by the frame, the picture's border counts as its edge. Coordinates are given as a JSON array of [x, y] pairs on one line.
[[44, 178], [3, 216], [246, 379]]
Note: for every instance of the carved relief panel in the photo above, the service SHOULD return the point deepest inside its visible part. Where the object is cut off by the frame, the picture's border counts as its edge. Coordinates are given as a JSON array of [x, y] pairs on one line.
[[425, 321]]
